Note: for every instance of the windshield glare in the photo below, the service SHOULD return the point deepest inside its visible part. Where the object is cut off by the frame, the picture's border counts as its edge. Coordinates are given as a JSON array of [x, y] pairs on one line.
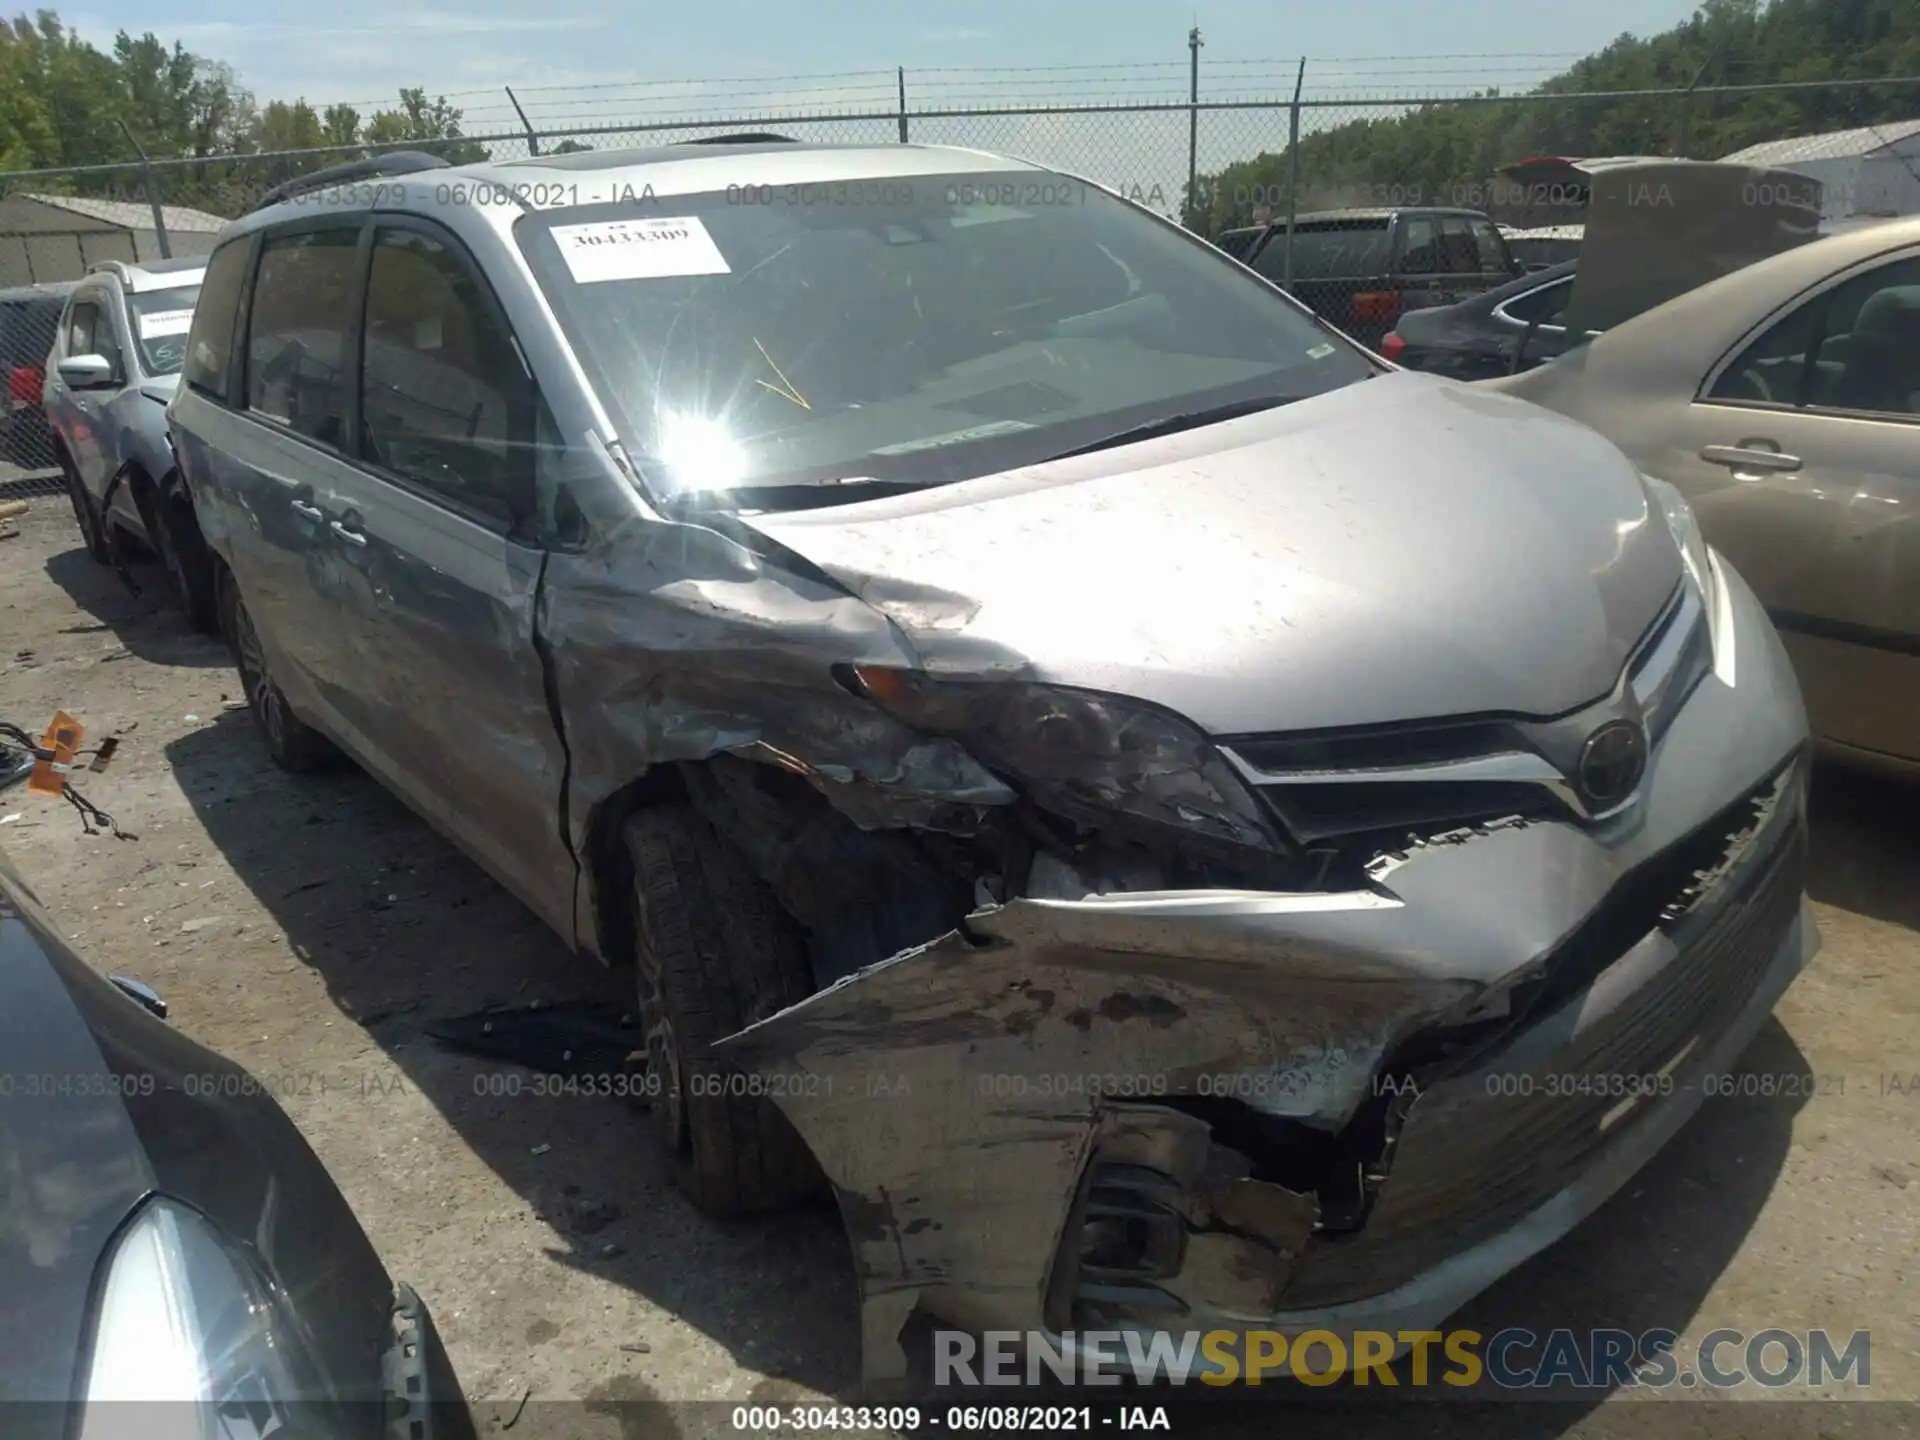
[[161, 319], [916, 329]]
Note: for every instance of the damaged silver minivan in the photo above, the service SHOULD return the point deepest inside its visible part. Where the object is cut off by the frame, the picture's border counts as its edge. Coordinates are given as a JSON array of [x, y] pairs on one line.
[[1176, 822]]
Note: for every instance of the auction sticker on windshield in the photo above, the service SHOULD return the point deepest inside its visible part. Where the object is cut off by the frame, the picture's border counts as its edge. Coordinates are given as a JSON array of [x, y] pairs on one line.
[[639, 249], [166, 322]]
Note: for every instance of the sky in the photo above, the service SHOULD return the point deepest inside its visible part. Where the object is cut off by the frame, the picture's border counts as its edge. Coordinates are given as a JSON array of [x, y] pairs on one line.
[[358, 50], [577, 63]]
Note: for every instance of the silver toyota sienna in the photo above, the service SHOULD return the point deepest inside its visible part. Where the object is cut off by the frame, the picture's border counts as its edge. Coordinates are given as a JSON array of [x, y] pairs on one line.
[[1174, 821]]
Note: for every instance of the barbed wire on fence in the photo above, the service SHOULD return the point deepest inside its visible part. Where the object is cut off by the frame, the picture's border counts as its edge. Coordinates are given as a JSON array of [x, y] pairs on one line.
[[1204, 154]]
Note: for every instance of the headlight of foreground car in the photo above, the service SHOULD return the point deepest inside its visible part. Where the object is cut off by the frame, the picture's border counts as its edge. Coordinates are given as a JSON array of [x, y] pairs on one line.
[[1084, 755], [187, 1339]]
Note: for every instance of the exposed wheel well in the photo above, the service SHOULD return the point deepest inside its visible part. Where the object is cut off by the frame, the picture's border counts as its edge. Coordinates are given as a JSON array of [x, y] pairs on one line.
[[610, 869], [858, 895], [140, 487]]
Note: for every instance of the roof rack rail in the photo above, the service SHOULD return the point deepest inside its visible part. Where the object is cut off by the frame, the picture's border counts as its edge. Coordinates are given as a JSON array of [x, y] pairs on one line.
[[397, 162], [109, 267], [751, 137]]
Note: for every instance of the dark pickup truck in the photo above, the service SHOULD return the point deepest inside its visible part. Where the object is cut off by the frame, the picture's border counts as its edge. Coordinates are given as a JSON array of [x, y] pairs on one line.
[[1363, 269]]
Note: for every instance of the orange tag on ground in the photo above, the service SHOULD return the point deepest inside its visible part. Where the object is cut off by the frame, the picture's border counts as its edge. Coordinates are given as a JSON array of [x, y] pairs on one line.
[[49, 777]]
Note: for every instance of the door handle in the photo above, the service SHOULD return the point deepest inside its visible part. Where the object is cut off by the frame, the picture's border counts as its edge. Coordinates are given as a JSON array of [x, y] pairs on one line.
[[1750, 457], [306, 511], [352, 537]]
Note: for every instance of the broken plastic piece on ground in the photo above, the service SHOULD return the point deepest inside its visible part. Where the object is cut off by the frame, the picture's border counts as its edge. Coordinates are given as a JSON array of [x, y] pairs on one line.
[[62, 738], [572, 1038]]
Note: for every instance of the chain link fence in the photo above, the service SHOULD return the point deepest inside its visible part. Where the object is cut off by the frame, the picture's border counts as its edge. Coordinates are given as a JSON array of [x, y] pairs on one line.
[[1231, 169]]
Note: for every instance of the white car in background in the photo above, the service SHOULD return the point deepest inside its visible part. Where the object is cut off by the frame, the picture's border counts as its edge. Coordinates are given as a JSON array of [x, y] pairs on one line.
[[115, 363]]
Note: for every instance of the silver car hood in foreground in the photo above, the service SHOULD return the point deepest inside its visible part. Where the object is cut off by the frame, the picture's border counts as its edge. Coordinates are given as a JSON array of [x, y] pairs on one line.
[[1401, 549]]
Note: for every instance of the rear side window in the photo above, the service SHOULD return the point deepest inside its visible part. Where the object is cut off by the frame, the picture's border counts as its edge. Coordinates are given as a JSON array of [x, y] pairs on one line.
[[297, 329], [210, 341], [1323, 252], [1544, 304], [1494, 255], [1420, 245], [1458, 254]]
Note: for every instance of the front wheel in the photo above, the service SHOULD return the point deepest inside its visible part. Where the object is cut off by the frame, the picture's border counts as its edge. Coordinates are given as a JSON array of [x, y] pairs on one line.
[[86, 512], [715, 954], [293, 744]]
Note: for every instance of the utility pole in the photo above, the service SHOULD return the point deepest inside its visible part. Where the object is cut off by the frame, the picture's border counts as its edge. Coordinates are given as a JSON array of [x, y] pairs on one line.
[[1293, 174], [533, 139], [1686, 109], [152, 185], [1193, 126]]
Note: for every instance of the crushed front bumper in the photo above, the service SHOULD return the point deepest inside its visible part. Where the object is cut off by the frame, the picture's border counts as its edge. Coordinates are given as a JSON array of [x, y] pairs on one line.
[[1341, 1111]]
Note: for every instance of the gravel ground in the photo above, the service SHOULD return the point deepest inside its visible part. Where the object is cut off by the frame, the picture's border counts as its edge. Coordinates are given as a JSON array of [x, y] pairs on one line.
[[306, 927]]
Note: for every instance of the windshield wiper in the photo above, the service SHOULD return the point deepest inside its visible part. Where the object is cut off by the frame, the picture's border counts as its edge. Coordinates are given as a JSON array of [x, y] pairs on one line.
[[1174, 424]]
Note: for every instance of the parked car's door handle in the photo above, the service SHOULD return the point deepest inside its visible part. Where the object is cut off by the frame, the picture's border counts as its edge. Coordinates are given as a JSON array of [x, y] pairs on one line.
[[352, 537], [306, 511], [1749, 460]]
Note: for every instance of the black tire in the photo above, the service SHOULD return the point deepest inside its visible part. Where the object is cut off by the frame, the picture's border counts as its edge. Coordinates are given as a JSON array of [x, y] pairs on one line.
[[714, 954], [175, 532], [293, 744], [86, 512]]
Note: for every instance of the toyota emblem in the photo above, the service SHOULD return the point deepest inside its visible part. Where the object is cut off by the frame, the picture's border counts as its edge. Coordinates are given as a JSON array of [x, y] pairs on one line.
[[1611, 763]]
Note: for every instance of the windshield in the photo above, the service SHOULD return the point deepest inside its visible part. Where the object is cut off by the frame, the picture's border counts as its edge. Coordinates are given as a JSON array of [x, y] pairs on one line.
[[909, 330], [161, 319]]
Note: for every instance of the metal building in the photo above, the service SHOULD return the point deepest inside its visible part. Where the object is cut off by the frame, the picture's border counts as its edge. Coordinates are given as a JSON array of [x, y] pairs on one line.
[[1872, 171], [50, 238]]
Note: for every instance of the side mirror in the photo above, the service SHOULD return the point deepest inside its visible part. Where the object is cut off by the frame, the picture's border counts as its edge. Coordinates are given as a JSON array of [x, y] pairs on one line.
[[86, 372]]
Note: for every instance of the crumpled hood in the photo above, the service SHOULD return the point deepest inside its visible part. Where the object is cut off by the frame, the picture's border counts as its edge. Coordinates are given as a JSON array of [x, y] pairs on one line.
[[1404, 548]]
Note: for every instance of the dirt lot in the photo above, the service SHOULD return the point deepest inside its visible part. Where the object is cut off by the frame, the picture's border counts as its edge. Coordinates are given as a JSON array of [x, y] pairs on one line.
[[307, 926]]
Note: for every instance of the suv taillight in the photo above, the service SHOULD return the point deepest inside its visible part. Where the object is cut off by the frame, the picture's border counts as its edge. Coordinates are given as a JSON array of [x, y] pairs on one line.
[[1392, 346], [1376, 307], [25, 384]]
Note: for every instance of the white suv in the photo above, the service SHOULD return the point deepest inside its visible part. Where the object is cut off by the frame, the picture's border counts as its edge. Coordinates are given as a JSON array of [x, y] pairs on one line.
[[116, 360]]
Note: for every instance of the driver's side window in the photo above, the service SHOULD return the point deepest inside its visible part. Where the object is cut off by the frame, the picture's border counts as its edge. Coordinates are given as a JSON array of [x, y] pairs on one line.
[[445, 402], [90, 332], [1853, 348]]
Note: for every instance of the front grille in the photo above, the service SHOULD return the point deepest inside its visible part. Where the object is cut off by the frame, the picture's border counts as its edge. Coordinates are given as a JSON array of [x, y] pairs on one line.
[[1471, 1163], [1362, 783], [1376, 747]]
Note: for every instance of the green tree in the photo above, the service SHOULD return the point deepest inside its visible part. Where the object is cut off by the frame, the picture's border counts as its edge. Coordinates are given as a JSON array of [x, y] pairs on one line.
[[421, 119], [26, 122]]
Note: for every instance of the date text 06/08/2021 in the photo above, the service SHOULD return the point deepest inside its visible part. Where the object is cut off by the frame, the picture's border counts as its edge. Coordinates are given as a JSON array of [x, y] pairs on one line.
[[797, 1420]]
